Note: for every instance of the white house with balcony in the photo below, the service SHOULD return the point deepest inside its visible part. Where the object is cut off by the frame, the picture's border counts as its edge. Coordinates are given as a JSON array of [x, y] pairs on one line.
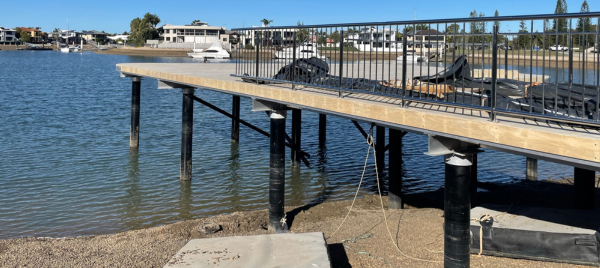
[[374, 39], [199, 33], [426, 41], [269, 37], [7, 35]]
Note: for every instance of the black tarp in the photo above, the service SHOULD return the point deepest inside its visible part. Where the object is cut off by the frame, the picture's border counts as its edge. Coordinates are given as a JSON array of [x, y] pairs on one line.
[[459, 76]]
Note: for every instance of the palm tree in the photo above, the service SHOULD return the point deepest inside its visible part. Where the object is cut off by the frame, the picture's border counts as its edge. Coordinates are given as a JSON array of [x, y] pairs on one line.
[[266, 22]]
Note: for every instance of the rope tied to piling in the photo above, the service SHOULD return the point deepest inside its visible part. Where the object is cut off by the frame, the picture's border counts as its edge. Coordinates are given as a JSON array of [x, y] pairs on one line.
[[371, 143]]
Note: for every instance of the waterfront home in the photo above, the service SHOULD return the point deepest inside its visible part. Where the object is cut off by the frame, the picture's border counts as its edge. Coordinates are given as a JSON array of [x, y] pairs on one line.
[[93, 36], [72, 35], [35, 34], [373, 39], [7, 35], [428, 41], [198, 33], [270, 37]]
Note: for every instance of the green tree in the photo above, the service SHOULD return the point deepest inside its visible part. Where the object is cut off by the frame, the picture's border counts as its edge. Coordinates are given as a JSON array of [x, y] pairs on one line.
[[560, 25], [301, 34], [142, 30], [523, 41], [151, 19], [584, 24], [335, 36], [497, 23], [56, 34], [18, 31], [266, 22], [197, 22], [452, 29], [25, 37]]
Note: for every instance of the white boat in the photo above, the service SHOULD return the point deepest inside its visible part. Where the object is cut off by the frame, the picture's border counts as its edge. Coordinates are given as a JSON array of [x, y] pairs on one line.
[[411, 56], [215, 51], [304, 51], [67, 48]]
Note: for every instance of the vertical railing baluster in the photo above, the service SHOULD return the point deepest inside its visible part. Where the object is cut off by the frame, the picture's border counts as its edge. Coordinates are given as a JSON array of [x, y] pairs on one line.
[[294, 61], [494, 73], [258, 40], [506, 57], [530, 66], [404, 47], [341, 61]]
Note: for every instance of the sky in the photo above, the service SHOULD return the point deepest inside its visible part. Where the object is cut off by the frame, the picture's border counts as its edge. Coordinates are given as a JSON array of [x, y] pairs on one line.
[[114, 16]]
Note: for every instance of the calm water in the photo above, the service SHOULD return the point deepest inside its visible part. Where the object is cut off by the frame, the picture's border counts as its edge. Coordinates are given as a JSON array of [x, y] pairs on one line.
[[66, 167]]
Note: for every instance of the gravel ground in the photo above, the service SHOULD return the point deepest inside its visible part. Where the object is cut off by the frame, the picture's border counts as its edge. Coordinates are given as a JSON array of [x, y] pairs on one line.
[[362, 241]]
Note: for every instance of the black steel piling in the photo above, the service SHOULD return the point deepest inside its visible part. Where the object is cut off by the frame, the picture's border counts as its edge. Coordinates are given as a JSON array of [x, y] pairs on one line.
[[235, 121], [585, 190], [134, 131], [380, 148], [187, 126], [296, 137], [457, 211], [322, 129], [531, 172], [395, 170], [277, 170]]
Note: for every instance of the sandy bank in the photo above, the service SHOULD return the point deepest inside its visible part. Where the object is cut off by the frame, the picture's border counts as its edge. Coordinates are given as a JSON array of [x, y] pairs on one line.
[[418, 230]]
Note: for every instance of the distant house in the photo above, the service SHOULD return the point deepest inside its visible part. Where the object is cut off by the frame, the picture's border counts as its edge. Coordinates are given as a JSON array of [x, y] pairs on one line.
[[7, 35], [71, 34], [426, 39], [275, 37], [35, 34], [93, 35], [198, 33], [374, 39]]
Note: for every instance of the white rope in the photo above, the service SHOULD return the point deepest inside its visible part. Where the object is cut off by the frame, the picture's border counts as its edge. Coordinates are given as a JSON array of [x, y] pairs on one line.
[[371, 144]]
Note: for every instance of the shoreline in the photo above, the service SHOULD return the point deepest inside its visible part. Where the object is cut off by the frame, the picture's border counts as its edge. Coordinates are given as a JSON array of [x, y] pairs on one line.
[[417, 229]]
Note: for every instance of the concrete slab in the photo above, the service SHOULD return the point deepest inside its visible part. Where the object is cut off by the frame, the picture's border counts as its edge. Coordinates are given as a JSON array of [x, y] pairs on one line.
[[572, 221], [274, 250]]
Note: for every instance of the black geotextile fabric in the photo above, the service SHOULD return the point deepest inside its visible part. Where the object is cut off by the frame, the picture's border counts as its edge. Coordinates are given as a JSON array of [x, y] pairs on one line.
[[537, 245]]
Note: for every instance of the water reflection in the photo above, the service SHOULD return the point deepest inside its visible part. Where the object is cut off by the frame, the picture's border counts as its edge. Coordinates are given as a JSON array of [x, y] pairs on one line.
[[234, 180], [133, 198], [185, 200]]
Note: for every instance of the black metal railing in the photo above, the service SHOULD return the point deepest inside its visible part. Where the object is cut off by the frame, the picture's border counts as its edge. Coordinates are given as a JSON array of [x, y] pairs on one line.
[[548, 70]]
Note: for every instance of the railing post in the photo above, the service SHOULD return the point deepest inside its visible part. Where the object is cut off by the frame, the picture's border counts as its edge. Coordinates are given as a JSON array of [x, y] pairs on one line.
[[404, 48], [505, 57], [341, 62], [492, 98], [570, 58], [294, 63], [257, 47]]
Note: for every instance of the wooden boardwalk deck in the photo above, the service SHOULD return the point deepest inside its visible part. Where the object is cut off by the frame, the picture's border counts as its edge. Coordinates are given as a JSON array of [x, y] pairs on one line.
[[561, 143]]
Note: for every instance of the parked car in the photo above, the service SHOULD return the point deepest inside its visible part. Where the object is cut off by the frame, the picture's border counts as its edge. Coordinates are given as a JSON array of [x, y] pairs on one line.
[[558, 48], [506, 47]]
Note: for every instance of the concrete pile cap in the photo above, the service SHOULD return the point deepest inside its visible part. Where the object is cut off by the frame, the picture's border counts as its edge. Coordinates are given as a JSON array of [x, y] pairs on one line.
[[273, 250]]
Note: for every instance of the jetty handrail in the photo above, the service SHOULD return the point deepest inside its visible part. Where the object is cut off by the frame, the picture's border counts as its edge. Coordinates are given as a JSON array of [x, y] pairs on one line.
[[533, 73]]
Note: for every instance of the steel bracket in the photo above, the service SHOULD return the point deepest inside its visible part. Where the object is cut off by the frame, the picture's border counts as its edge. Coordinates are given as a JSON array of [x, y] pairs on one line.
[[439, 145], [259, 105]]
